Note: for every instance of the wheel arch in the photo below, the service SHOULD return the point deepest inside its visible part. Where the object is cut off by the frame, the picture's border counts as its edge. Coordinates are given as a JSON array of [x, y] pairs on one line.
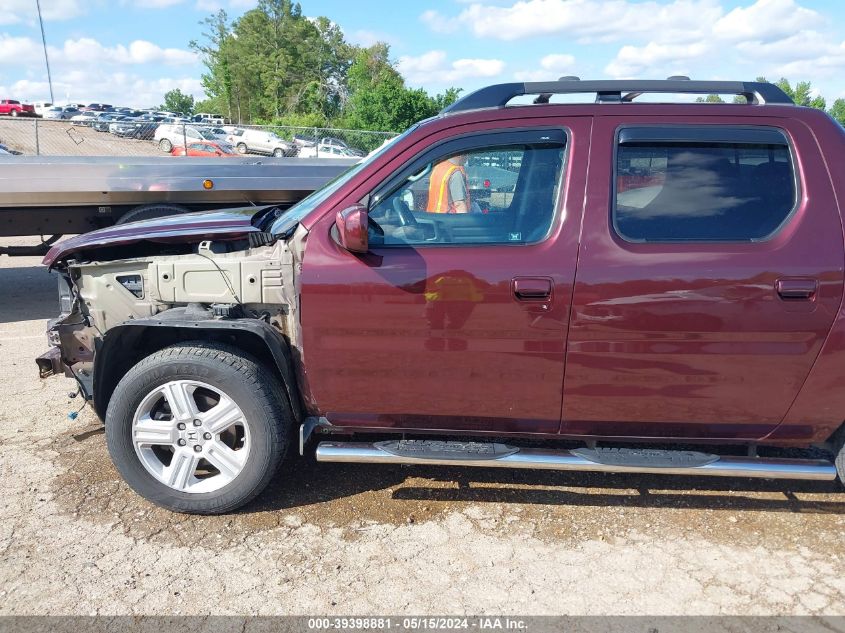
[[126, 344]]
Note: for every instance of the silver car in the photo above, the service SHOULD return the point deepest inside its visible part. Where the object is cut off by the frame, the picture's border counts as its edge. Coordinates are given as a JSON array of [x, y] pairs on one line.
[[61, 113]]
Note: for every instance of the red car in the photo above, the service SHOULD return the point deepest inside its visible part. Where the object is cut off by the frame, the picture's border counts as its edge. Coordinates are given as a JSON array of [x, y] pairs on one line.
[[206, 148], [16, 108], [630, 277]]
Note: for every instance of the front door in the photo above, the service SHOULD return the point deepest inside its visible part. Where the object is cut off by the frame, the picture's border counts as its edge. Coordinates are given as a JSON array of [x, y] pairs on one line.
[[709, 275], [457, 317]]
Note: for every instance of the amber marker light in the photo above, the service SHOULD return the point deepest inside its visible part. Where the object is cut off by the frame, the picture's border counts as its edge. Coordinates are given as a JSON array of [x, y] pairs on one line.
[[207, 184]]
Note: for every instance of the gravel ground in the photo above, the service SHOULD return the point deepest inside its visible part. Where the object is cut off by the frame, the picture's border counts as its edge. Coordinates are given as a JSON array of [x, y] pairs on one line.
[[61, 138], [358, 539]]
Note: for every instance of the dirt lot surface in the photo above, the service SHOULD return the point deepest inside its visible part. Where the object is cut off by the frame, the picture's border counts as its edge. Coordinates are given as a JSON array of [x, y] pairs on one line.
[[61, 138], [373, 539]]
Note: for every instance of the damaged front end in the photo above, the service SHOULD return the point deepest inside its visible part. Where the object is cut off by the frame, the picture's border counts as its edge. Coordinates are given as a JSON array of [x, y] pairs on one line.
[[71, 340], [164, 290]]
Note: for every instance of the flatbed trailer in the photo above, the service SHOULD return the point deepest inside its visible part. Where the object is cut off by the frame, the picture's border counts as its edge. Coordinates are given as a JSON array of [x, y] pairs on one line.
[[60, 195]]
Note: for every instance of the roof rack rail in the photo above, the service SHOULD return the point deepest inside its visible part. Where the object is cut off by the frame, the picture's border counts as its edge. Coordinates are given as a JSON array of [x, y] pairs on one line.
[[616, 91]]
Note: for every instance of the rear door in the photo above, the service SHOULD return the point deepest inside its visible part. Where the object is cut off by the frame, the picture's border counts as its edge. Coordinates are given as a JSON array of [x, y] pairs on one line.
[[709, 274]]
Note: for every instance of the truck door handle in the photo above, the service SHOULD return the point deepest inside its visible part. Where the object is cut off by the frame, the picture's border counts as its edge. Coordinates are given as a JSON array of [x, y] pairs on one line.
[[532, 288], [796, 288]]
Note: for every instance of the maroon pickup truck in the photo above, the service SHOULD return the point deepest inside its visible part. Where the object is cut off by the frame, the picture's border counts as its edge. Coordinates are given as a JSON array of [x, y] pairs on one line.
[[590, 287]]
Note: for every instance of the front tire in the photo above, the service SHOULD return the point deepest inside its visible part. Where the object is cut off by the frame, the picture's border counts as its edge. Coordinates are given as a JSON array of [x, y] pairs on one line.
[[165, 145], [14, 113], [241, 147], [839, 455], [198, 428]]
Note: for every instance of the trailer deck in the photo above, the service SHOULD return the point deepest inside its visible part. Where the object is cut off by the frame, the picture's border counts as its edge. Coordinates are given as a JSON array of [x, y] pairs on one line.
[[52, 196]]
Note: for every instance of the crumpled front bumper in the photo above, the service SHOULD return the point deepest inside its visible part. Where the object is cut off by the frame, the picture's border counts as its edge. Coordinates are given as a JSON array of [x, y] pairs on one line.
[[50, 363]]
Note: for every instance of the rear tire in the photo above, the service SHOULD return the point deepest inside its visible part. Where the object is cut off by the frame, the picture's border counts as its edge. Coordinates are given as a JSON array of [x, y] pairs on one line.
[[171, 461], [241, 148], [165, 145], [151, 212], [14, 113], [278, 152]]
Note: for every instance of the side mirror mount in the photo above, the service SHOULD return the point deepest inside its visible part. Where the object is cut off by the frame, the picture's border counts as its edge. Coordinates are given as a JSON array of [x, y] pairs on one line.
[[353, 228]]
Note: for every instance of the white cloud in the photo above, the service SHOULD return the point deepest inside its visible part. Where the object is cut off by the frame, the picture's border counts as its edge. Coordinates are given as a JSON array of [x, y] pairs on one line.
[[85, 70], [366, 38], [663, 37], [88, 50], [156, 4], [584, 19], [771, 37], [632, 61], [15, 49], [88, 86], [765, 20], [421, 69], [15, 11], [553, 66], [216, 5]]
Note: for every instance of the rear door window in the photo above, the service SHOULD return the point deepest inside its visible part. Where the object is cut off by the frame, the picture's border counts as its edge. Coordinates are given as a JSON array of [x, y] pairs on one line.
[[702, 184]]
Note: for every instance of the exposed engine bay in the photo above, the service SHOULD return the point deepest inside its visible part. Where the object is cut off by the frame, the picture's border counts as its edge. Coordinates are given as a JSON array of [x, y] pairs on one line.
[[200, 283]]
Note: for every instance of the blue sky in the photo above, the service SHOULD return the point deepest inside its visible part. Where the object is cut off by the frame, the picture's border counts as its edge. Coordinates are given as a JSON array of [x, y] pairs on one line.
[[130, 52]]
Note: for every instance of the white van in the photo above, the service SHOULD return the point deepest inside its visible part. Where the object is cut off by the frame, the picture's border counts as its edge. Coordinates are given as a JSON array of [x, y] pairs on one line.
[[41, 107], [211, 119]]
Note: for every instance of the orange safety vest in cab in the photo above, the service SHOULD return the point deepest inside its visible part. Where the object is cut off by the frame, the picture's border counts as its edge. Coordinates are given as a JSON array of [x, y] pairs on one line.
[[438, 188]]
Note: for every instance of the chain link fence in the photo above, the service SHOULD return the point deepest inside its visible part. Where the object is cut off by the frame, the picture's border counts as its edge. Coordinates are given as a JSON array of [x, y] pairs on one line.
[[123, 136]]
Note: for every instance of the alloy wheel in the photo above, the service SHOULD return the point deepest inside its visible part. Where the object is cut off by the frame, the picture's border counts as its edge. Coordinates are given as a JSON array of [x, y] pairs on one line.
[[191, 436]]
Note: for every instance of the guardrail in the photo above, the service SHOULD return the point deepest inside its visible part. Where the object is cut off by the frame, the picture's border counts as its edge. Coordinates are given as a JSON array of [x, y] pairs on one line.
[[138, 137]]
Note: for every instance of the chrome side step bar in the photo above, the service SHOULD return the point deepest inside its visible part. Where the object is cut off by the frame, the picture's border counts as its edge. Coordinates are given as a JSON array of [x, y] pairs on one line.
[[606, 460]]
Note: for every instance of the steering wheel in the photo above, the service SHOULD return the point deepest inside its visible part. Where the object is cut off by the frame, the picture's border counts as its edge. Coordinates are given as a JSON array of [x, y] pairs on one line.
[[404, 213]]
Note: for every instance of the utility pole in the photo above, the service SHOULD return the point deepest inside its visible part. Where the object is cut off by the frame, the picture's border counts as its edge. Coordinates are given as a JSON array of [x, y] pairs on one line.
[[44, 42]]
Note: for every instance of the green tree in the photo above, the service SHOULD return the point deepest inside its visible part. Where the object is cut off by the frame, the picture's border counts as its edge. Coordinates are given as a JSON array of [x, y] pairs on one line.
[[216, 53], [710, 99], [837, 110], [177, 101], [379, 98], [802, 93], [275, 64]]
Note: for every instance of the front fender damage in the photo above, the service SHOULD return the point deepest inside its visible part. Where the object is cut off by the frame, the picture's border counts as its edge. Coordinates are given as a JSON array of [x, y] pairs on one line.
[[116, 311]]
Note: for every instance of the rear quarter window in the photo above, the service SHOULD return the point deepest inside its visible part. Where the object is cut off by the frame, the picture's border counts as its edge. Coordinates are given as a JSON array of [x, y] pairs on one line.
[[702, 187]]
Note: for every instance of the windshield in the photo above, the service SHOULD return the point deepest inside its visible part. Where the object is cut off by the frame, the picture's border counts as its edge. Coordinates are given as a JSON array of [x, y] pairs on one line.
[[294, 215]]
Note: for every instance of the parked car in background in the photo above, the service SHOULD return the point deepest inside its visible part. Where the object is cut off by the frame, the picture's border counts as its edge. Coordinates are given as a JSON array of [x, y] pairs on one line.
[[129, 112], [249, 141], [206, 148], [138, 128], [41, 107], [61, 112], [97, 107], [5, 150], [105, 119], [327, 151], [169, 136], [16, 108], [219, 132], [328, 147], [331, 142], [211, 119], [85, 118]]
